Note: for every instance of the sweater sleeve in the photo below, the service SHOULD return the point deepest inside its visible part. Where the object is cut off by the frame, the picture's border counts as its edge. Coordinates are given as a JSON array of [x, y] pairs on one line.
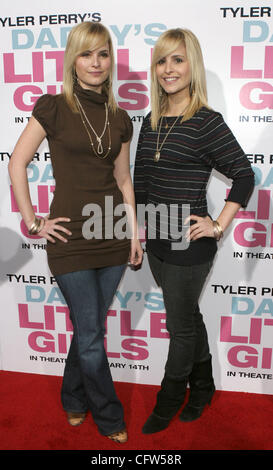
[[140, 186], [220, 150]]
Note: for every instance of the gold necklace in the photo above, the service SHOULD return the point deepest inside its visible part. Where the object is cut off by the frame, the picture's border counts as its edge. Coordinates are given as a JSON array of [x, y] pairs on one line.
[[99, 151], [158, 149]]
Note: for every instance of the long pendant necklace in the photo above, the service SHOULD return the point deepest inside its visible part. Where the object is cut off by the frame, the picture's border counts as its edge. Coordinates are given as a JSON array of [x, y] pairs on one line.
[[99, 151], [158, 149]]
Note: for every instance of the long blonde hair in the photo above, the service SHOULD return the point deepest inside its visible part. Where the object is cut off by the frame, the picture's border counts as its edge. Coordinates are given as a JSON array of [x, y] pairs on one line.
[[86, 36], [166, 44]]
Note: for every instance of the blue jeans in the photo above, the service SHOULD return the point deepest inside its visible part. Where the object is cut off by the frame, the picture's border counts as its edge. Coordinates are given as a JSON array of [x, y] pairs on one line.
[[181, 288], [87, 381]]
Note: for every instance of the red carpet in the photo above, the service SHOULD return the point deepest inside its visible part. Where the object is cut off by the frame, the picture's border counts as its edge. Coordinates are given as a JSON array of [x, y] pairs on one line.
[[31, 418]]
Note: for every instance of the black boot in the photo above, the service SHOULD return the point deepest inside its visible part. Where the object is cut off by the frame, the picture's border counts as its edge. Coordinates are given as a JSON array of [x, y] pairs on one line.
[[169, 400], [202, 389]]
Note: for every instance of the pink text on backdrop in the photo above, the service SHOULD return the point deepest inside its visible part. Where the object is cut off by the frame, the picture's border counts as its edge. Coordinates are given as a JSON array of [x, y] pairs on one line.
[[242, 355], [133, 93], [37, 71], [43, 341], [263, 89], [252, 233], [237, 69]]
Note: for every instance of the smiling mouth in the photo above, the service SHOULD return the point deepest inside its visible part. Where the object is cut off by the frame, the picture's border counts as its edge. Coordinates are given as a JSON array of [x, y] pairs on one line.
[[170, 79]]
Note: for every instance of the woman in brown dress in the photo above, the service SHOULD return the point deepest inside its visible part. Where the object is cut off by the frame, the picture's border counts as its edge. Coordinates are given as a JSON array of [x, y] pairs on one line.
[[89, 139]]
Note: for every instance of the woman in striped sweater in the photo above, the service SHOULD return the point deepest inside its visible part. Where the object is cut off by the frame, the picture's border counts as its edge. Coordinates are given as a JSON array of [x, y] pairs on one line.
[[180, 142]]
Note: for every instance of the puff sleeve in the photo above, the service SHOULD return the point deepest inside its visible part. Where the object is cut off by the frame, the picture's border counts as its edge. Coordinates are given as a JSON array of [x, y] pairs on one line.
[[45, 113]]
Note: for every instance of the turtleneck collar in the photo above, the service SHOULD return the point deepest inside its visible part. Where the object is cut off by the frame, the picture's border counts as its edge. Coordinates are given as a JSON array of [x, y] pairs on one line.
[[89, 95]]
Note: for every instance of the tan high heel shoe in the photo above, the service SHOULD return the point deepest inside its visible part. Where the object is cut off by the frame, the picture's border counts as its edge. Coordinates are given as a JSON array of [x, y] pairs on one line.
[[121, 437], [75, 419]]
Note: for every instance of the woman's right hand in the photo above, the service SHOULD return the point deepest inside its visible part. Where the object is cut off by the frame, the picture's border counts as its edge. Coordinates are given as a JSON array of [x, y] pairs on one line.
[[50, 229]]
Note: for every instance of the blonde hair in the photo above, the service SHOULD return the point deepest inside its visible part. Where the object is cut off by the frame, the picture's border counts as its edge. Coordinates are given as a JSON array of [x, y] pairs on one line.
[[167, 43], [86, 36]]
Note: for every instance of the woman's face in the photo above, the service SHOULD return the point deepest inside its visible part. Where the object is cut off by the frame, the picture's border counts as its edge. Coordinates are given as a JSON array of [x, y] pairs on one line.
[[173, 72], [93, 68]]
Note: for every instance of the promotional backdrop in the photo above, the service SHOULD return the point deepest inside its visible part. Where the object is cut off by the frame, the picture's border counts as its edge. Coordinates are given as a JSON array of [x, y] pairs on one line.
[[237, 302]]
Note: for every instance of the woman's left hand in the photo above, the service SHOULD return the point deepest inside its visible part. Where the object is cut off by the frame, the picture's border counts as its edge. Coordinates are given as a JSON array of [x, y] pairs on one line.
[[203, 227], [136, 253]]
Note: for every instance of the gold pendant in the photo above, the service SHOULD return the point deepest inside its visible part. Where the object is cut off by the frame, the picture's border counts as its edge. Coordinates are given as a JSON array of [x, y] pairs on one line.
[[156, 156], [100, 147]]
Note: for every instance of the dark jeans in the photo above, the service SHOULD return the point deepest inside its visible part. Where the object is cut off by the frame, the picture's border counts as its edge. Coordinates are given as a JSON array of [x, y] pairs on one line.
[[87, 381], [181, 287]]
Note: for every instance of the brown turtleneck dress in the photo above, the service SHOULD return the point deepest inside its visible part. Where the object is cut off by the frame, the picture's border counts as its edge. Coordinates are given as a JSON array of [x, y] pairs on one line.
[[82, 178]]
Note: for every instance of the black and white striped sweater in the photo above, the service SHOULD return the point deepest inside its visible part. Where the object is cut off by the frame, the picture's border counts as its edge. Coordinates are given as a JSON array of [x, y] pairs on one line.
[[190, 152]]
